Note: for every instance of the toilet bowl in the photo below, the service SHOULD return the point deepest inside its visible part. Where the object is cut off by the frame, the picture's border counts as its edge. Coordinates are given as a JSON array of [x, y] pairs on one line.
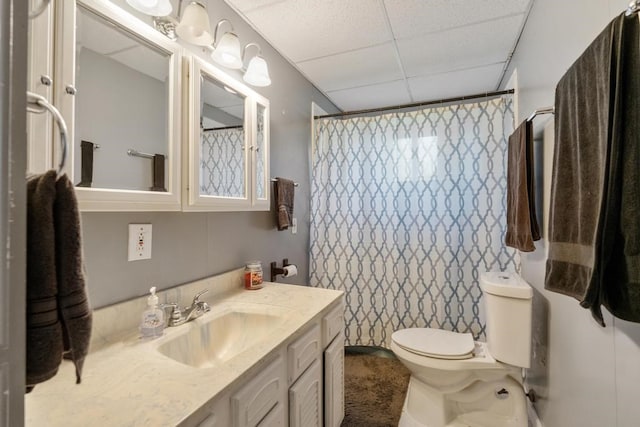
[[456, 381]]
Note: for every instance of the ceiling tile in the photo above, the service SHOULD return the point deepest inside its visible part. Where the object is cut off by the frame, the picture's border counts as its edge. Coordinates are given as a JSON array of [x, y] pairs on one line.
[[374, 96], [410, 18], [355, 68], [307, 29], [471, 46], [457, 83], [245, 6]]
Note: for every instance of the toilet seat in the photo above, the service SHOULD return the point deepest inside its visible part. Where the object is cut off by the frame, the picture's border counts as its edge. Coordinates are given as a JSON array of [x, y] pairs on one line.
[[435, 343]]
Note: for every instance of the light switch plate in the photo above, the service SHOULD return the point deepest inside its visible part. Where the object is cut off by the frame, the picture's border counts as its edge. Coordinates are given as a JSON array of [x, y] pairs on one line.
[[139, 242], [294, 225]]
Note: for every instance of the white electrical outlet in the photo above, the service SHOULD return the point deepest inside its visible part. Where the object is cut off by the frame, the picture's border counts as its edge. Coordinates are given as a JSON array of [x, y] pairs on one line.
[[139, 241], [294, 225]]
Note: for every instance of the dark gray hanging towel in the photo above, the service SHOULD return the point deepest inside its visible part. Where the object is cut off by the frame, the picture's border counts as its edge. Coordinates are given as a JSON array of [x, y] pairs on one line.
[[284, 192], [522, 224], [58, 313], [590, 137], [44, 330], [73, 302]]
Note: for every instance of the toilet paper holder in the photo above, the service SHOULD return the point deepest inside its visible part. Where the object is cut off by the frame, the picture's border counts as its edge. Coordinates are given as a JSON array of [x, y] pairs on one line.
[[275, 270]]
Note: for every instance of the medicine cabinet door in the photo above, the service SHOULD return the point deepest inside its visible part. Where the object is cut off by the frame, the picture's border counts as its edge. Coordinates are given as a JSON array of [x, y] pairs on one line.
[[219, 131], [119, 91]]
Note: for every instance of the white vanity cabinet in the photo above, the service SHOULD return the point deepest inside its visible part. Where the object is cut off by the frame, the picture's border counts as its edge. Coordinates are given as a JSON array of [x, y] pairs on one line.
[[226, 157], [300, 385]]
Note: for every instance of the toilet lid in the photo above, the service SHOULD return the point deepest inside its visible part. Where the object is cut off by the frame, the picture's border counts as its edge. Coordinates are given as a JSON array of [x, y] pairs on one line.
[[435, 343]]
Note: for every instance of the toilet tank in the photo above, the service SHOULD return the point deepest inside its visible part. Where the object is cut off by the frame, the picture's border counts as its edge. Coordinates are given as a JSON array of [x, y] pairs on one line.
[[508, 303]]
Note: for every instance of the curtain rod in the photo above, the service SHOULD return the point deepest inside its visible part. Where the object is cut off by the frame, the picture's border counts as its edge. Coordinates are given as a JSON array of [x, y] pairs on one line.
[[418, 104]]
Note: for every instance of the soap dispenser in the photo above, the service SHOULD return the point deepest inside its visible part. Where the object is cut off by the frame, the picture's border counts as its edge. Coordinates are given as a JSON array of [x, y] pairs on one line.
[[152, 322]]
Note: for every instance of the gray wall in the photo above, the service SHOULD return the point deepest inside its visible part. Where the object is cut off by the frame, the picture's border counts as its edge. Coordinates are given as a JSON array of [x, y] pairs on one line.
[[188, 246], [585, 375]]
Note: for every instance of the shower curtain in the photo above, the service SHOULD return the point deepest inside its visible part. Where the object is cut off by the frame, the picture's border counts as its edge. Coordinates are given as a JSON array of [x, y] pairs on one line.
[[407, 210], [222, 162]]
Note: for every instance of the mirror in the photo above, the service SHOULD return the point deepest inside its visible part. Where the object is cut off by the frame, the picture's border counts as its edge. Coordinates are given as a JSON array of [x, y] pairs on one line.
[[227, 163], [118, 86], [262, 151], [222, 140], [121, 111]]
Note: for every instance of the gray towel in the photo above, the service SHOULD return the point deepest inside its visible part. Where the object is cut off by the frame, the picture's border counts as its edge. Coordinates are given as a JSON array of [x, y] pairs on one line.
[[58, 313], [522, 224], [588, 175], [284, 191]]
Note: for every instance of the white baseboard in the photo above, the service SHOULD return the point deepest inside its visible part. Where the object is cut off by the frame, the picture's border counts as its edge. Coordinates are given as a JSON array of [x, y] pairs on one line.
[[534, 421]]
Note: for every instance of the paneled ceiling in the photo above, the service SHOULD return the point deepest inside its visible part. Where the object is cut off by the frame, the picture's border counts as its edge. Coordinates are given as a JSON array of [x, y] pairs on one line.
[[376, 53]]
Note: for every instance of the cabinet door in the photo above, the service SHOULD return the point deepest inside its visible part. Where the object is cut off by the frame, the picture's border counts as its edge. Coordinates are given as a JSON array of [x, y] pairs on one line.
[[118, 85], [226, 160], [259, 396], [305, 398], [334, 382]]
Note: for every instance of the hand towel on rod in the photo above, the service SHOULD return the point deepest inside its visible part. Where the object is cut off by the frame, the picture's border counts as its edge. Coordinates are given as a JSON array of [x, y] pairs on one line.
[[284, 190], [522, 224], [58, 313]]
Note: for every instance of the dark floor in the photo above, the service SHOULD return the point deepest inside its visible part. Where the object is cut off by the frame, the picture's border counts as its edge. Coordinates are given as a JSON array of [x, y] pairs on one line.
[[375, 387]]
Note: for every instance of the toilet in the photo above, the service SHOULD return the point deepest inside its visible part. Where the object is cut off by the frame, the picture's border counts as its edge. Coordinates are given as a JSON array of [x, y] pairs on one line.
[[456, 381]]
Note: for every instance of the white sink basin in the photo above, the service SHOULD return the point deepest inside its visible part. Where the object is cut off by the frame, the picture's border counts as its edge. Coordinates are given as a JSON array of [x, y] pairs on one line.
[[217, 337]]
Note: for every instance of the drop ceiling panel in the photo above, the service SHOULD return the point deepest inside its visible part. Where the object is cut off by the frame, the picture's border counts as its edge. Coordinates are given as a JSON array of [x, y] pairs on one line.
[[410, 18], [307, 29], [374, 96], [453, 84], [460, 48], [145, 60], [361, 67], [245, 6]]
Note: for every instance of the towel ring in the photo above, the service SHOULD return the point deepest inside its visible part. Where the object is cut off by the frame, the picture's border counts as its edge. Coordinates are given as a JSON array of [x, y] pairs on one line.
[[38, 104]]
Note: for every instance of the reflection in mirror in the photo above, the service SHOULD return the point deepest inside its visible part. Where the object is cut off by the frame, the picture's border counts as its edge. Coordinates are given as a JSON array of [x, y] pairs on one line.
[[222, 141], [122, 97], [261, 142]]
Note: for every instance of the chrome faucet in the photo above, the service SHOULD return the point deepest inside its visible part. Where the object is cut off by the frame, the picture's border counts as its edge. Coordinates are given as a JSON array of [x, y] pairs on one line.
[[196, 309]]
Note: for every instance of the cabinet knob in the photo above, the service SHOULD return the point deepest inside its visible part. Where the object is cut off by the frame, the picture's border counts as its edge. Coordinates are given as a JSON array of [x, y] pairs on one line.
[[71, 90], [46, 80]]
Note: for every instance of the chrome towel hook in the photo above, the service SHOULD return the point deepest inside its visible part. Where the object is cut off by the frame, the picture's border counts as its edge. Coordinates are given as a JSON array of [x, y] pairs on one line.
[[38, 104]]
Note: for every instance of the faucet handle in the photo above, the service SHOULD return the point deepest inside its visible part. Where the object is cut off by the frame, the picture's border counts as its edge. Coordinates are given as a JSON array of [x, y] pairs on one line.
[[176, 313], [196, 299]]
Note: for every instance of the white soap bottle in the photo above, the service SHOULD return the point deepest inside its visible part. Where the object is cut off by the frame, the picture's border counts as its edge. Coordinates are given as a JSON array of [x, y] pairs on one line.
[[152, 322]]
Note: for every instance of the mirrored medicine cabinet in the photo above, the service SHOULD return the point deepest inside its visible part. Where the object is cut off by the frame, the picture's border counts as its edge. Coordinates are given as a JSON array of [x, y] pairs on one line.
[[119, 89], [228, 142], [143, 136]]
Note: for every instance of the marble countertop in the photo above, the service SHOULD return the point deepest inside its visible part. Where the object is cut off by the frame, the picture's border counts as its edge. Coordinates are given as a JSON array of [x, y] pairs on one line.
[[128, 382]]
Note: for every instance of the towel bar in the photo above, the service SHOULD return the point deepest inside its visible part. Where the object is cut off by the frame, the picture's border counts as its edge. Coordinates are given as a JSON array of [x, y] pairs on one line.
[[295, 184], [38, 104]]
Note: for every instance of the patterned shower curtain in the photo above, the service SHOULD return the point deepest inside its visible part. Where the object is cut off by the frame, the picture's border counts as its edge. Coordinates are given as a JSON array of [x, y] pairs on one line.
[[222, 162], [407, 210]]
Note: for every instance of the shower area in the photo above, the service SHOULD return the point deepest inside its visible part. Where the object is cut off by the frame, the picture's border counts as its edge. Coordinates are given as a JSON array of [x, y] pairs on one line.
[[408, 208]]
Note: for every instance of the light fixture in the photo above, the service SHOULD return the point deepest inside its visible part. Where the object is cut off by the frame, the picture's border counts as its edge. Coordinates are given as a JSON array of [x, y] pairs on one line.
[[226, 50], [152, 7], [257, 73], [194, 27], [191, 26]]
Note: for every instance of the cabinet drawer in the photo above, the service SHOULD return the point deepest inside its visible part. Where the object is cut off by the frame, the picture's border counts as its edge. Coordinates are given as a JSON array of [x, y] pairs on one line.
[[303, 352], [332, 324], [259, 396]]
